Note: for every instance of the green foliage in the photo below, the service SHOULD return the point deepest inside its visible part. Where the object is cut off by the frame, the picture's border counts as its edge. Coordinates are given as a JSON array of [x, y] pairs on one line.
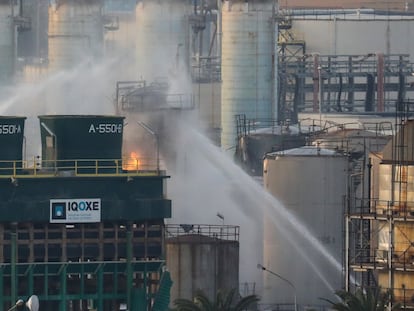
[[363, 300], [225, 301]]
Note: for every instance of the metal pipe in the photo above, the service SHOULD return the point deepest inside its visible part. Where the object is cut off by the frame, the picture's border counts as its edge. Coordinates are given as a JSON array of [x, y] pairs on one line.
[[369, 183], [390, 255], [320, 94], [13, 266], [129, 285], [219, 29], [275, 27], [347, 276]]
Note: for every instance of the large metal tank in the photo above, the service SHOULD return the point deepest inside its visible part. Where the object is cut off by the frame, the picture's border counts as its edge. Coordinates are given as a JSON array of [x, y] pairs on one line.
[[202, 257], [162, 39], [11, 144], [81, 137], [311, 184], [75, 33], [248, 46], [7, 42]]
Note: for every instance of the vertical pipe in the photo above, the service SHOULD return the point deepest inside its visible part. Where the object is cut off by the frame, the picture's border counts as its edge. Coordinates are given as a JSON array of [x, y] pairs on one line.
[[390, 254], [380, 82], [351, 85], [46, 282], [15, 35], [115, 276], [30, 281], [275, 71], [82, 279], [335, 34], [13, 264], [1, 288], [320, 94], [100, 281], [347, 252], [62, 305], [315, 82], [219, 33], [129, 264], [369, 183]]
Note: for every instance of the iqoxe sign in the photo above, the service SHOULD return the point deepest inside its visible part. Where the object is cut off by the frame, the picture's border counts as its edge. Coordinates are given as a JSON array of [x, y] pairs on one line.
[[75, 210]]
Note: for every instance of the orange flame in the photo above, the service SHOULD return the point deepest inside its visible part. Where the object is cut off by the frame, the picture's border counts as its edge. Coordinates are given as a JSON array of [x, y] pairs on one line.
[[131, 163]]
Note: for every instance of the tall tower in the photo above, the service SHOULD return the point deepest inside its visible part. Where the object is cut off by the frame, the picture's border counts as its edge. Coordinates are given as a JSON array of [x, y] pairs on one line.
[[249, 30]]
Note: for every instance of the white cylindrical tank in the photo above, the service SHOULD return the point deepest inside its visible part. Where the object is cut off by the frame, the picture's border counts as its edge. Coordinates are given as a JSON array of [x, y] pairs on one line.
[[248, 30], [75, 33], [162, 39], [311, 184], [7, 43]]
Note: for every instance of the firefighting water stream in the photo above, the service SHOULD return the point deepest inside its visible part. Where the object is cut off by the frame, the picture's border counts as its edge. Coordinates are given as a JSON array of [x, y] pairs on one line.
[[207, 182]]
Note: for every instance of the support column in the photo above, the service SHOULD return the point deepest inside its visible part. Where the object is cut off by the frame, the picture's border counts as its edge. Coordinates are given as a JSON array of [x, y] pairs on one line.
[[129, 264], [13, 264], [62, 304], [100, 280]]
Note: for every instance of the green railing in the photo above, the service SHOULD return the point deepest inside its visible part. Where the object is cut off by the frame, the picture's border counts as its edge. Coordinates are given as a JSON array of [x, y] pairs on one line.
[[37, 167]]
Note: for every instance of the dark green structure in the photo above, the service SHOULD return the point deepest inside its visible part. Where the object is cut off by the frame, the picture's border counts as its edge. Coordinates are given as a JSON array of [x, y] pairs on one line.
[[82, 240], [83, 137], [11, 135]]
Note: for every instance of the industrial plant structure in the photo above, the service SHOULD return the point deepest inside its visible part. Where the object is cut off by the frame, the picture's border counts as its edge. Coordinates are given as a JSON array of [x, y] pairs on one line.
[[77, 229], [286, 91], [379, 223]]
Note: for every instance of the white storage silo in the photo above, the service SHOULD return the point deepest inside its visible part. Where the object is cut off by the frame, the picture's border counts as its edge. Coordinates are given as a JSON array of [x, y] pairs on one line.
[[205, 258], [311, 184], [75, 33], [247, 66], [162, 39], [7, 42]]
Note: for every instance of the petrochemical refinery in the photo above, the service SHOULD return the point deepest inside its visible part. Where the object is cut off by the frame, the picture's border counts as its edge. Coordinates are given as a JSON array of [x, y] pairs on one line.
[[153, 148]]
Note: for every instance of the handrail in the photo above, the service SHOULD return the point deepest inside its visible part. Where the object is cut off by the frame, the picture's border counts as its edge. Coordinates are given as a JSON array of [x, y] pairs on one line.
[[37, 167], [222, 232]]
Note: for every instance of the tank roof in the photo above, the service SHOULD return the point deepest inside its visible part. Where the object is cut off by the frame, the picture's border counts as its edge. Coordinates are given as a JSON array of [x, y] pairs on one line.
[[72, 116], [197, 239], [11, 117], [304, 151]]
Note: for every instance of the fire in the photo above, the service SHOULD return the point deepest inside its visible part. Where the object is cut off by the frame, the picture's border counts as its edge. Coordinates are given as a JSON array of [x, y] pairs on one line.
[[131, 163]]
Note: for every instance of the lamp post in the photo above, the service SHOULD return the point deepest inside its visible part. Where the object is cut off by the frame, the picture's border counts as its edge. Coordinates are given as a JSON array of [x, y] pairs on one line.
[[149, 130], [19, 303], [259, 266], [221, 217]]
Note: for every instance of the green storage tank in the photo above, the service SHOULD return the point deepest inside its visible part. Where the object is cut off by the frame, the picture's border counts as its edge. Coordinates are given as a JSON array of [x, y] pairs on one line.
[[11, 144], [82, 143]]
